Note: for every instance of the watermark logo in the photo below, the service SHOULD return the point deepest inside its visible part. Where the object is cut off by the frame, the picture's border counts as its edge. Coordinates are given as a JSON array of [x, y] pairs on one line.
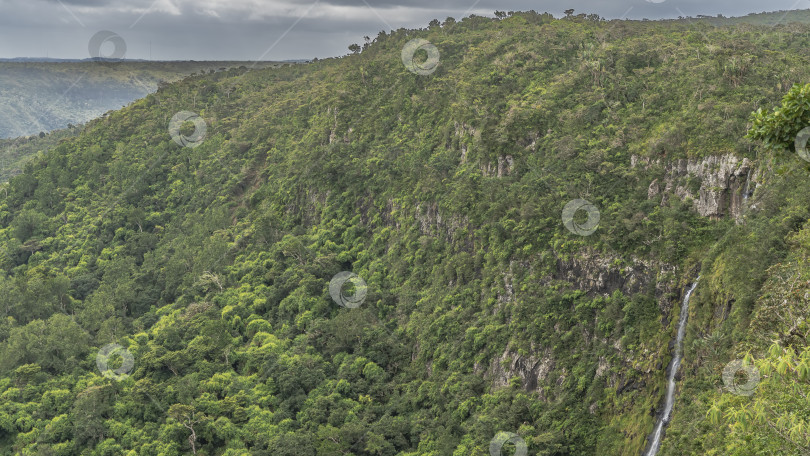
[[730, 378], [103, 360], [801, 144], [192, 139], [502, 438], [338, 289], [422, 68], [100, 39], [586, 228]]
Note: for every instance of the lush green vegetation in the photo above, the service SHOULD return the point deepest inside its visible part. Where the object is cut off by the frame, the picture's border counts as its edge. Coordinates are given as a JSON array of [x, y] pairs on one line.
[[767, 328], [15, 153], [444, 192]]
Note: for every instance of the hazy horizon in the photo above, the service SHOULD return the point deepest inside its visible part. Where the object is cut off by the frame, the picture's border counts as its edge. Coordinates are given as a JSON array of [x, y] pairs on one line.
[[277, 30]]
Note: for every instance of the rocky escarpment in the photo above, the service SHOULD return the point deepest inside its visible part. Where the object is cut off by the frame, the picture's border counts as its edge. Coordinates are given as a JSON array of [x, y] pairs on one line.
[[532, 368], [603, 273], [718, 184], [597, 273]]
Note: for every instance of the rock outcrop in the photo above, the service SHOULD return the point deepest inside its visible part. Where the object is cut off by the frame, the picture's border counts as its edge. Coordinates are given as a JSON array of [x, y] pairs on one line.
[[532, 369], [725, 182], [598, 273]]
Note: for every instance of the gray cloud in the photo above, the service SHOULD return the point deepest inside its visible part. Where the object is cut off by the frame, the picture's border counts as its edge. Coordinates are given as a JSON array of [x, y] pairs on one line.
[[81, 2], [248, 29], [422, 4]]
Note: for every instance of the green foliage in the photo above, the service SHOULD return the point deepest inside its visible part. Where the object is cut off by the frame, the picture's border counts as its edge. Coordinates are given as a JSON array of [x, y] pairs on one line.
[[778, 129], [211, 265]]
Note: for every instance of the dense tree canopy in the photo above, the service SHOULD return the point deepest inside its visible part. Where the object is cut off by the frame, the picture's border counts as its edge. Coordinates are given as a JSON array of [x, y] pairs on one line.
[[163, 300]]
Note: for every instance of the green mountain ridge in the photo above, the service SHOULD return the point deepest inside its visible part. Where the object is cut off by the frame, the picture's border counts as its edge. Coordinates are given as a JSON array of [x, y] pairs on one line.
[[167, 300]]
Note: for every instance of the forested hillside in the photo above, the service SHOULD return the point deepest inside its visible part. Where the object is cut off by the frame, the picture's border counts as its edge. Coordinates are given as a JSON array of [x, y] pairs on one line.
[[15, 152], [484, 245]]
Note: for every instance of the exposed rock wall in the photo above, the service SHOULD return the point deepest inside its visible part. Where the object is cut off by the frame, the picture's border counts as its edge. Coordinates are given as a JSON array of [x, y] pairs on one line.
[[597, 273], [725, 182], [532, 369]]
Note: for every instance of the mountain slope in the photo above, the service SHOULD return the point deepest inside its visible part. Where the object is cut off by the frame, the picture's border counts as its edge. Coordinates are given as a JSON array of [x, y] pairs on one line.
[[16, 152], [445, 193]]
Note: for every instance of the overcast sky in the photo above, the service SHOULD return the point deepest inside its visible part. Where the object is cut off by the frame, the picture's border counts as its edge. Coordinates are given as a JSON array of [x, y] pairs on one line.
[[281, 29]]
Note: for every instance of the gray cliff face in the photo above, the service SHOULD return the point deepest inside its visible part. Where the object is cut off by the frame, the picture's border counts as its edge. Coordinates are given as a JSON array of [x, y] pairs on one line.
[[717, 184], [532, 368], [602, 273], [597, 273]]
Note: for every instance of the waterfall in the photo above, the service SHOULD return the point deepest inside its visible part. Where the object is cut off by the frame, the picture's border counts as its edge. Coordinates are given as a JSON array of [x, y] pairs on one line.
[[747, 185], [676, 362]]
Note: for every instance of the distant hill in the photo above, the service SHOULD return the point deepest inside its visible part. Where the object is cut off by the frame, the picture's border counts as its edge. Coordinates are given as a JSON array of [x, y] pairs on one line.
[[40, 95], [97, 59], [771, 18]]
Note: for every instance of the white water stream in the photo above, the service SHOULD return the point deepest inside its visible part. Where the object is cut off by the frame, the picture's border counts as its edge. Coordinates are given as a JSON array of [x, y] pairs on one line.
[[747, 185], [676, 363]]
